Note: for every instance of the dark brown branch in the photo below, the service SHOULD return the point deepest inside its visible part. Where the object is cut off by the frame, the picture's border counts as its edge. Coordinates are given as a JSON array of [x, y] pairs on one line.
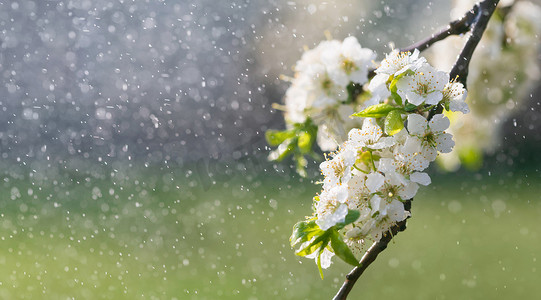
[[460, 69], [456, 27], [370, 256], [476, 20]]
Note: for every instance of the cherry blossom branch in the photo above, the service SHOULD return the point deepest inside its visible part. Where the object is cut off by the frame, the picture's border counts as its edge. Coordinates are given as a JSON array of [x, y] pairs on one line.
[[370, 256], [475, 20]]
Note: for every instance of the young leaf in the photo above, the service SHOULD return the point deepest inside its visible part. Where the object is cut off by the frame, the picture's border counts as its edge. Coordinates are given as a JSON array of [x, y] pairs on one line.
[[394, 94], [319, 242], [304, 231], [342, 250], [285, 149], [352, 216], [393, 122], [410, 107], [305, 142], [375, 111], [319, 263], [276, 137]]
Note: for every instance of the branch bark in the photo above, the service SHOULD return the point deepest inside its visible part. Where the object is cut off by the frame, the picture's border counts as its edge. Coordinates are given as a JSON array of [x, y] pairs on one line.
[[370, 256], [475, 20], [460, 69], [456, 27]]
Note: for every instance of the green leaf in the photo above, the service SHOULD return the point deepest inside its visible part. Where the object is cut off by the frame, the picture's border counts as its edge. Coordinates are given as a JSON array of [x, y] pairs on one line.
[[393, 122], [410, 107], [305, 142], [352, 216], [304, 231], [319, 242], [394, 90], [276, 137], [375, 111], [394, 94], [319, 264], [396, 97], [342, 250], [285, 149]]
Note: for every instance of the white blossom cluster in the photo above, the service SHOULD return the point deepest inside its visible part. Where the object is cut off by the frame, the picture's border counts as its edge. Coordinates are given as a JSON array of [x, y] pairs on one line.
[[375, 172], [319, 88]]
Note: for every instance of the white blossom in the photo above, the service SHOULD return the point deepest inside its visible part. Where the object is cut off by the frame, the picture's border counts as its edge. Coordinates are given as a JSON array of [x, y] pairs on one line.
[[337, 170], [370, 136], [379, 89], [431, 134], [372, 172], [348, 62], [331, 208], [455, 94], [396, 62], [424, 86]]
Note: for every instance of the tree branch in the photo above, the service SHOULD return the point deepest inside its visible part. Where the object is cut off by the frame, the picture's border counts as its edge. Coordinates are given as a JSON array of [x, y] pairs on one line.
[[370, 256], [456, 27], [460, 69], [476, 20]]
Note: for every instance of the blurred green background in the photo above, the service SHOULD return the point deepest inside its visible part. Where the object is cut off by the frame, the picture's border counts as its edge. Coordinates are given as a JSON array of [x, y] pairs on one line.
[[141, 235]]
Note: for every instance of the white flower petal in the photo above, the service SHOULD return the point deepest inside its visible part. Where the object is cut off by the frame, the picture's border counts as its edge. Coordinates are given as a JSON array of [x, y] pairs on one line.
[[420, 178], [386, 165], [376, 203], [439, 123], [371, 131], [458, 105], [408, 191], [416, 124], [384, 142], [411, 146], [445, 143], [429, 153], [374, 181], [378, 87], [329, 220], [394, 178], [433, 98], [326, 258], [395, 211], [354, 233]]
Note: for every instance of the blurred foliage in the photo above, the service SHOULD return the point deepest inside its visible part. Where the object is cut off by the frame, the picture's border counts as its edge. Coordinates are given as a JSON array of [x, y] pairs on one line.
[[141, 236]]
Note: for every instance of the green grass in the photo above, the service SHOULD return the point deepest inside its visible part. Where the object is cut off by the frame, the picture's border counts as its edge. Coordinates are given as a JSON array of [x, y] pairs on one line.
[[155, 236]]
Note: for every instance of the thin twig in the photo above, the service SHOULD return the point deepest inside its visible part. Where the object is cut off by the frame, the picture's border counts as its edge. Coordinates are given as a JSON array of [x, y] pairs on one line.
[[476, 20], [461, 66], [460, 69], [456, 27]]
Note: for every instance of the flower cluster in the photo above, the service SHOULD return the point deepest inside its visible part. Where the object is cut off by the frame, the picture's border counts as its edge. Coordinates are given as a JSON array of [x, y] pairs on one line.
[[381, 165], [323, 85]]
